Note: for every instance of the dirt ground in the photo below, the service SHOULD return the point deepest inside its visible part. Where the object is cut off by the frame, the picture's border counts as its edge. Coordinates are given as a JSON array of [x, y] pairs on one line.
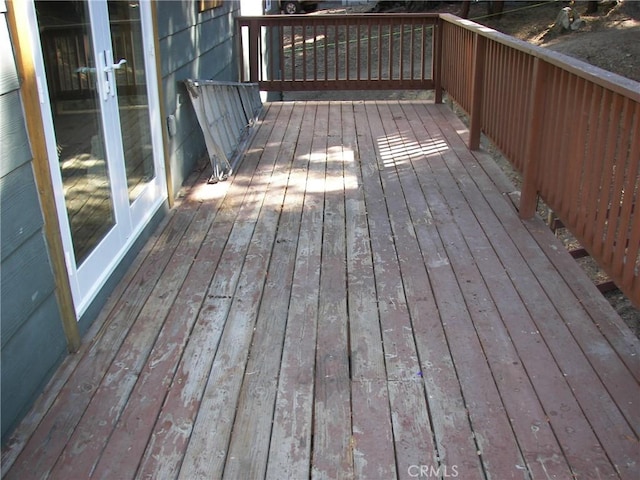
[[609, 39]]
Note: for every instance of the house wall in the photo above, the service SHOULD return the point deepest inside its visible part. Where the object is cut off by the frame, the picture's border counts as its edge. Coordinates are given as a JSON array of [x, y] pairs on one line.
[[198, 46], [33, 342], [192, 45]]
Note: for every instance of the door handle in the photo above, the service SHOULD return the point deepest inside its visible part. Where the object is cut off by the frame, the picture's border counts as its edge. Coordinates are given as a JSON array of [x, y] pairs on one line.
[[115, 66], [109, 77]]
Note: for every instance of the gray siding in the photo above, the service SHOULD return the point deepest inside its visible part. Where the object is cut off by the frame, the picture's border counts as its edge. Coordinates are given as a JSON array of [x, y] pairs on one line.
[[33, 341], [18, 224], [193, 45], [14, 143]]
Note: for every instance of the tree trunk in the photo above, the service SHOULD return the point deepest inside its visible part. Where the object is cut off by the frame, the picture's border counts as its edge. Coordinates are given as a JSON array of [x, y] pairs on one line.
[[466, 5], [495, 7]]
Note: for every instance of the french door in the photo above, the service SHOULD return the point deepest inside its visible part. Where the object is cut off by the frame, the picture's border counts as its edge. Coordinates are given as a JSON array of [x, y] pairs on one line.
[[96, 75]]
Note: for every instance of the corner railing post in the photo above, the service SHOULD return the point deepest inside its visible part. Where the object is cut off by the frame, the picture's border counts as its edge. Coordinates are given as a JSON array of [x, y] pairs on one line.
[[436, 68], [529, 194], [477, 89], [254, 40], [240, 43]]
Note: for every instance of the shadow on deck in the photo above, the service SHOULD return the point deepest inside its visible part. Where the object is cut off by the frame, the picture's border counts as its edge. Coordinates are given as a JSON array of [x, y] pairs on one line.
[[360, 300]]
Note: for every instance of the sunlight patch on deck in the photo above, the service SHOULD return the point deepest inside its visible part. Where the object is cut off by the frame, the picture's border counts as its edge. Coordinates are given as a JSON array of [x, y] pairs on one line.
[[329, 183], [208, 191], [397, 149]]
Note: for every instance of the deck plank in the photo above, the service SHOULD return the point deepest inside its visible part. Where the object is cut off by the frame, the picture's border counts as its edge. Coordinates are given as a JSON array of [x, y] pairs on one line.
[[413, 436], [535, 438], [28, 426], [454, 438], [332, 455], [540, 359], [90, 436], [360, 300], [528, 418], [572, 338], [50, 438], [496, 443], [562, 348], [249, 445], [165, 451], [595, 306], [371, 411], [207, 449], [291, 437], [128, 441]]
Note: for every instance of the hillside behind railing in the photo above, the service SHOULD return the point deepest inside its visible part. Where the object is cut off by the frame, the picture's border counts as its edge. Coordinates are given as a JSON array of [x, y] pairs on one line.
[[572, 130]]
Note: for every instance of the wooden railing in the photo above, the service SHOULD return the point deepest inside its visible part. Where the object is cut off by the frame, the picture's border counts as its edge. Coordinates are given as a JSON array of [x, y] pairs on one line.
[[571, 129], [340, 52]]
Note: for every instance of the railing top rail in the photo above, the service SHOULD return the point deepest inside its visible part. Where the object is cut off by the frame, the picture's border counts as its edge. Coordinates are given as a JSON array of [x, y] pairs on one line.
[[330, 19], [599, 76]]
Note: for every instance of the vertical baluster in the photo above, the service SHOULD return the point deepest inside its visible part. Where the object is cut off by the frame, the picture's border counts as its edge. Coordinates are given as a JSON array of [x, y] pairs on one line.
[[627, 249]]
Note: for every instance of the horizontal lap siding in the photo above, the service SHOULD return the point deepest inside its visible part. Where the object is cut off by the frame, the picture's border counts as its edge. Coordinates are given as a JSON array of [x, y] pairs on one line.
[[14, 142], [198, 46], [17, 187], [33, 342]]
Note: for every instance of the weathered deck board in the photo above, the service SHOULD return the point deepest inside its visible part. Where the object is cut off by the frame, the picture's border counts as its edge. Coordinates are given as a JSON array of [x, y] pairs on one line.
[[371, 410], [497, 447], [135, 355], [332, 446], [249, 445], [508, 304], [360, 300], [554, 322], [517, 393], [585, 358], [292, 421], [206, 452], [412, 429], [53, 433]]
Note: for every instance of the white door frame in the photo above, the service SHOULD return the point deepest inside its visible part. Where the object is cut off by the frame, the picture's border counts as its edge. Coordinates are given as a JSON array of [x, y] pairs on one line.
[[88, 278]]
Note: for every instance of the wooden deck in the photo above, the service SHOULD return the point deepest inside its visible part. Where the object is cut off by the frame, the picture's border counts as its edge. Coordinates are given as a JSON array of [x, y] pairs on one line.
[[360, 300]]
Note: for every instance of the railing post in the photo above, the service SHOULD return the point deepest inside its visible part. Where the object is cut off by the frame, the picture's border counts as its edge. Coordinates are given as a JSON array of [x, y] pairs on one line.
[[254, 39], [241, 41], [529, 194], [436, 68], [477, 88]]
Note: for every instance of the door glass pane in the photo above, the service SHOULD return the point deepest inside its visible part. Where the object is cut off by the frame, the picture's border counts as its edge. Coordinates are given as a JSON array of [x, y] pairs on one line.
[[133, 104], [71, 79]]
